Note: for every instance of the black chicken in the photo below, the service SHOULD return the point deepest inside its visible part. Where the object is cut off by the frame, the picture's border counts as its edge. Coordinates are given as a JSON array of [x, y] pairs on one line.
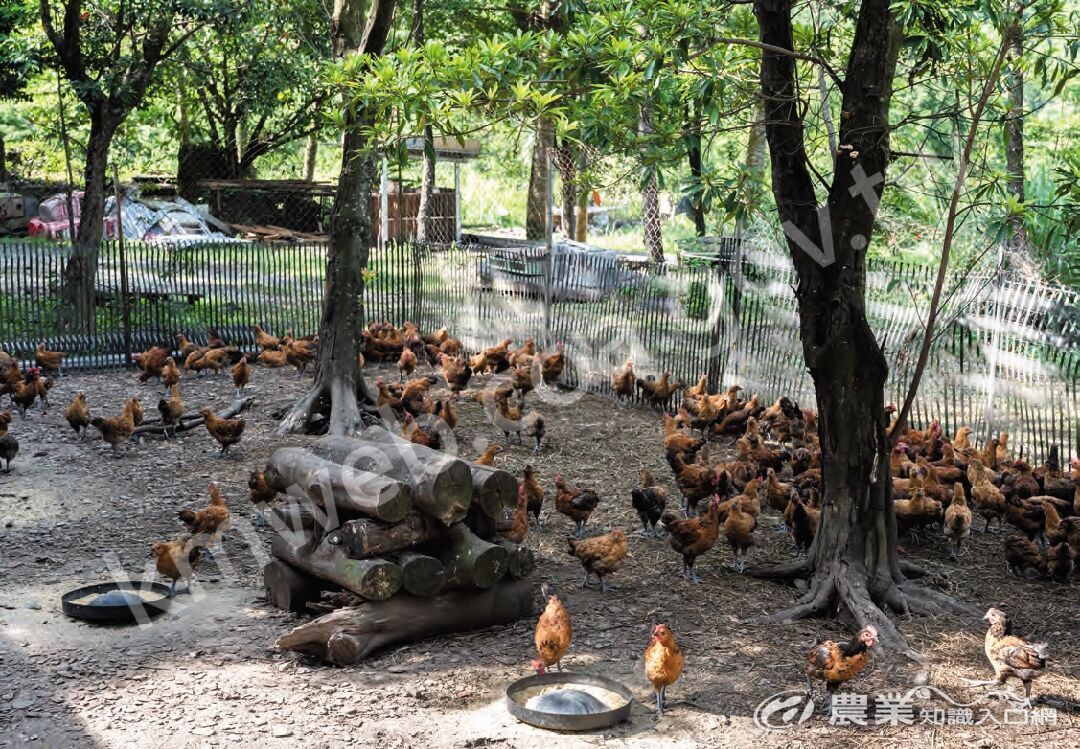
[[649, 501]]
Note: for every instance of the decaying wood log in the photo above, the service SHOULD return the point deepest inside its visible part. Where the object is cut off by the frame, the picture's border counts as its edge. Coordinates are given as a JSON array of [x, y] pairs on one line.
[[365, 538], [493, 489], [301, 514], [470, 560], [373, 579], [287, 587], [421, 575], [342, 487], [349, 635], [442, 484], [189, 421], [520, 561]]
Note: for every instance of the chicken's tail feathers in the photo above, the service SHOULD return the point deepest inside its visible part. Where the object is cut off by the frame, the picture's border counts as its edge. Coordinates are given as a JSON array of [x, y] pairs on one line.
[[572, 546], [187, 517]]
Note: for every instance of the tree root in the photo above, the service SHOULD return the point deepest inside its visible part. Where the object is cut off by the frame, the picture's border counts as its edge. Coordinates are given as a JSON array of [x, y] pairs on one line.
[[340, 404], [782, 571]]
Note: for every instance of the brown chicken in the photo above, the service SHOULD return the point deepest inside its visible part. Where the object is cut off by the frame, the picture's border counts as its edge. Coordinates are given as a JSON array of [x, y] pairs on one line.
[[987, 498], [523, 356], [152, 362], [456, 372], [1012, 656], [1021, 555], [957, 521], [739, 527], [9, 446], [777, 493], [176, 560], [207, 525], [519, 520], [659, 392], [664, 662], [837, 663], [117, 430], [554, 633], [916, 513], [552, 366], [299, 354], [576, 504], [802, 519], [273, 358], [678, 443], [622, 381], [241, 374], [50, 361], [696, 481], [764, 456], [600, 555], [25, 393], [170, 373], [487, 458], [521, 377], [534, 493], [137, 412], [694, 536], [187, 347], [78, 414], [171, 410], [1060, 562], [264, 340], [1059, 529], [226, 432]]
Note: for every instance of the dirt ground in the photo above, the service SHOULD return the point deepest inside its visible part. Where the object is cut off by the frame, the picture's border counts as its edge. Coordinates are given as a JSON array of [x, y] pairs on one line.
[[205, 674]]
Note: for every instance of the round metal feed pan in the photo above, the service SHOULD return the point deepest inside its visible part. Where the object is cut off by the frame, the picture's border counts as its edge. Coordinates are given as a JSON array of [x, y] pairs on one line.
[[79, 605], [560, 722]]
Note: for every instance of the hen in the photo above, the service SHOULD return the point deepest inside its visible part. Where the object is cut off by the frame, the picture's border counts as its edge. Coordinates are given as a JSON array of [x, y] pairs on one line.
[[519, 522], [50, 361], [692, 537], [553, 633], [264, 340], [117, 430], [176, 560], [152, 362], [551, 367], [226, 432], [9, 446], [659, 392], [957, 521], [171, 410], [1011, 656], [1021, 555], [78, 414], [534, 493], [1060, 562], [836, 663], [663, 663], [576, 504], [207, 525], [487, 458], [622, 381], [739, 527], [649, 502], [241, 374], [170, 373], [600, 555]]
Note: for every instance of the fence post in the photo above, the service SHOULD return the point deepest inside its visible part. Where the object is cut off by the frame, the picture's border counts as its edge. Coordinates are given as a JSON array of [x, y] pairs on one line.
[[384, 204], [457, 202], [125, 312]]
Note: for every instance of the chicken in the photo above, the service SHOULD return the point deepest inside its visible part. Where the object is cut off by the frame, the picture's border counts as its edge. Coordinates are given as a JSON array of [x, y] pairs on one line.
[[78, 414], [437, 338], [524, 355], [227, 432], [957, 521], [170, 373], [1060, 530], [622, 381], [659, 392], [171, 409], [551, 367], [1021, 555], [445, 410], [1012, 656], [664, 662], [273, 358], [649, 502], [1019, 481], [50, 361], [554, 633], [487, 458], [1060, 562], [519, 521], [259, 490], [213, 340], [241, 374], [521, 377], [152, 362], [187, 348], [764, 456], [264, 340], [678, 443], [24, 394], [777, 493], [455, 371], [1027, 517], [916, 513], [137, 412], [735, 421], [534, 493], [426, 436], [207, 525], [299, 354], [837, 663], [176, 560], [694, 536], [534, 425], [1054, 481], [802, 519], [987, 498], [696, 481], [576, 504], [600, 555], [739, 527], [9, 446], [117, 430]]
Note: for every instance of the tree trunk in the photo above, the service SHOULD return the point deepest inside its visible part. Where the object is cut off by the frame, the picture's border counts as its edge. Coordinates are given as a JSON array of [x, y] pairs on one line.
[[650, 200], [311, 153], [334, 403], [520, 561], [441, 484], [373, 579], [338, 487], [470, 560], [754, 176], [1016, 246], [424, 225], [494, 489], [421, 575], [564, 162], [853, 561], [539, 181], [694, 158], [80, 273], [365, 538], [349, 635]]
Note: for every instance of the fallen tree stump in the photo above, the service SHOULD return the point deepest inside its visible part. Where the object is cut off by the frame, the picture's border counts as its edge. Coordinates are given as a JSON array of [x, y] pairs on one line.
[[373, 579], [421, 575], [347, 636], [340, 487], [189, 422], [441, 484], [365, 538], [520, 560], [288, 588], [470, 560], [493, 489]]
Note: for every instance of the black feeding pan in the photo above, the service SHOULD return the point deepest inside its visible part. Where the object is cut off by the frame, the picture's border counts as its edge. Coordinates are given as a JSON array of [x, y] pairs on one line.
[[517, 695], [118, 602]]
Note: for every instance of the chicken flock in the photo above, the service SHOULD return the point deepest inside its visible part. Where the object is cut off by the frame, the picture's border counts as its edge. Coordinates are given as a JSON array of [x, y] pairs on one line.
[[731, 459]]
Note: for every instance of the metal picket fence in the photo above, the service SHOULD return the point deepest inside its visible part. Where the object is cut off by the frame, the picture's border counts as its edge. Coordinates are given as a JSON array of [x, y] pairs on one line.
[[1006, 357]]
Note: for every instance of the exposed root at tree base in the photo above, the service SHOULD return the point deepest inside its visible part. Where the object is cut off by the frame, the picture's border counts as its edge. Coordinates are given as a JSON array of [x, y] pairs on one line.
[[859, 599], [338, 407]]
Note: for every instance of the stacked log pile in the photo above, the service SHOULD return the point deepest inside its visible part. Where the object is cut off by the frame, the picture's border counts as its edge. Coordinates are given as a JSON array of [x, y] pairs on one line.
[[412, 531]]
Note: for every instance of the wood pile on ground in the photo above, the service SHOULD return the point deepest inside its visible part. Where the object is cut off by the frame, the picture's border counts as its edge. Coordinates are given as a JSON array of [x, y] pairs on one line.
[[412, 531]]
